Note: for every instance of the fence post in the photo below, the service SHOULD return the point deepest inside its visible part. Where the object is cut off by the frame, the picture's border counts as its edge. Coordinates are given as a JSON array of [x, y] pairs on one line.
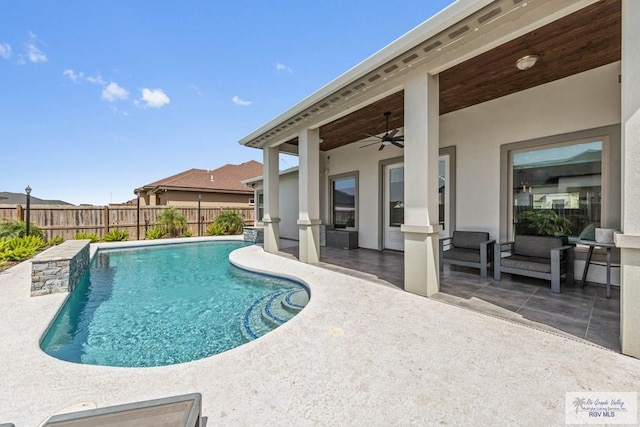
[[105, 219], [19, 212]]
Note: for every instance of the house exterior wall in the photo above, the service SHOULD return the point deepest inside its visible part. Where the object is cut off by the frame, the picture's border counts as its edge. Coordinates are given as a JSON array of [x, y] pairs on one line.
[[190, 198], [288, 185], [366, 161], [584, 101], [289, 206]]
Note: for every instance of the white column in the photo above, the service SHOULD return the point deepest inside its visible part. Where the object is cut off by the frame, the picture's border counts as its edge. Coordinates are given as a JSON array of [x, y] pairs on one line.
[[309, 195], [629, 242], [421, 152], [271, 182]]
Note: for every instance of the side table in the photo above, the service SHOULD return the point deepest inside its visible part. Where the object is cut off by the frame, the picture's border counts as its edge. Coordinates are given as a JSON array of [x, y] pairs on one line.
[[593, 244]]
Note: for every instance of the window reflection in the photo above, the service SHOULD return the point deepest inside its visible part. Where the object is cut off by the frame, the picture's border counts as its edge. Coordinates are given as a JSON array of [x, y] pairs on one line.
[[343, 199], [558, 190]]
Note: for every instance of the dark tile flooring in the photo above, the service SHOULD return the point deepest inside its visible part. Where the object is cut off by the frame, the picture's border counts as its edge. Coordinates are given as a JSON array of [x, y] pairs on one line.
[[580, 312]]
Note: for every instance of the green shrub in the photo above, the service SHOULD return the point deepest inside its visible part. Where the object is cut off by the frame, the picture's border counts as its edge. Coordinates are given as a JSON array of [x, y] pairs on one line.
[[20, 248], [187, 233], [543, 222], [12, 228], [55, 241], [171, 221], [115, 236], [215, 230], [155, 233], [230, 221], [87, 236]]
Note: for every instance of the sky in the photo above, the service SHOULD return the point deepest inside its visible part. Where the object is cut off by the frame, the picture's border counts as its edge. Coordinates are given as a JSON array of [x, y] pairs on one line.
[[100, 97]]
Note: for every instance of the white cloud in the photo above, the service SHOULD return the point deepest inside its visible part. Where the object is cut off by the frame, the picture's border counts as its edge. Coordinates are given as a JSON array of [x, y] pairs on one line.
[[154, 98], [34, 54], [79, 77], [5, 50], [236, 100], [113, 92], [96, 80], [281, 68], [73, 76]]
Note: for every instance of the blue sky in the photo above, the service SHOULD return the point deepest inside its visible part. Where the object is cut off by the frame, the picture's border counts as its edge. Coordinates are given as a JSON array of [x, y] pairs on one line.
[[100, 97]]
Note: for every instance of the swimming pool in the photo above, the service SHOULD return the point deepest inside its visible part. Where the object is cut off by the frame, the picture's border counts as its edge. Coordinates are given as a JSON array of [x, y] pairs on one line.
[[156, 306]]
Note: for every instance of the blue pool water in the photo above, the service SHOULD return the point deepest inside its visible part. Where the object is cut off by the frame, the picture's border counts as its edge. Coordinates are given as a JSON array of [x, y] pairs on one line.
[[157, 306]]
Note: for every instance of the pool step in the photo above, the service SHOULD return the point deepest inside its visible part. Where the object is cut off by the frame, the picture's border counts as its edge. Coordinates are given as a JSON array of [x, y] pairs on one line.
[[271, 311], [295, 300]]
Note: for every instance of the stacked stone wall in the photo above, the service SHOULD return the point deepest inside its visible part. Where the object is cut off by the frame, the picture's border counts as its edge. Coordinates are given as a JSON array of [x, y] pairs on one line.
[[60, 268]]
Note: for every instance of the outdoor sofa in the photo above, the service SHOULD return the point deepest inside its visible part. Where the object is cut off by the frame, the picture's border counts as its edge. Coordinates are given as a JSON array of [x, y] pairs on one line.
[[543, 257], [468, 249]]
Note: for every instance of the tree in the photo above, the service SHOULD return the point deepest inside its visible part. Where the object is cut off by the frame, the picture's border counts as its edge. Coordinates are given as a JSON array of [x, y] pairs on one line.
[[171, 221]]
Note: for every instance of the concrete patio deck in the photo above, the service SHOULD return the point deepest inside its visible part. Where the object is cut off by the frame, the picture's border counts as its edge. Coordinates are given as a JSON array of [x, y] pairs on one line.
[[360, 353], [585, 313]]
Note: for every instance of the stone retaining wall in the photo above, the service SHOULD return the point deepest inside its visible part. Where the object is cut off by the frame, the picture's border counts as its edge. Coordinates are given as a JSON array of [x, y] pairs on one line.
[[253, 234], [60, 268]]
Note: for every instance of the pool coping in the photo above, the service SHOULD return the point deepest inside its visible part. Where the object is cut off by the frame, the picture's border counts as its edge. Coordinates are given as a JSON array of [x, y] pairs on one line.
[[360, 353]]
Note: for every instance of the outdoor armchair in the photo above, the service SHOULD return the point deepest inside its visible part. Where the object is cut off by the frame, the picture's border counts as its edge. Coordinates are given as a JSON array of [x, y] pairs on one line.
[[543, 257], [468, 249]]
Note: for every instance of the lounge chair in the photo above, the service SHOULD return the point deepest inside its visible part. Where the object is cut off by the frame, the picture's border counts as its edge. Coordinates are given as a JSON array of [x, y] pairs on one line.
[[183, 410]]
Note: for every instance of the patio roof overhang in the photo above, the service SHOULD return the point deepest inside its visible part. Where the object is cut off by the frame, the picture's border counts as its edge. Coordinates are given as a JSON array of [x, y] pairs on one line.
[[473, 45]]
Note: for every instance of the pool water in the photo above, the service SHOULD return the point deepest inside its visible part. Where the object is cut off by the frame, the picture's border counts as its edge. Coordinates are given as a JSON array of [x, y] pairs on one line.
[[157, 306]]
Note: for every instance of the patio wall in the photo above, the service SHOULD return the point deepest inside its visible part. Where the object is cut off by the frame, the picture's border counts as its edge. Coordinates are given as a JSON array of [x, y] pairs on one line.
[[584, 101]]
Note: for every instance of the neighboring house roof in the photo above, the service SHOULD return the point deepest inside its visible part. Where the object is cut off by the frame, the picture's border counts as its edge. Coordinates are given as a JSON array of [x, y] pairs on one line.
[[7, 198], [226, 179], [251, 182]]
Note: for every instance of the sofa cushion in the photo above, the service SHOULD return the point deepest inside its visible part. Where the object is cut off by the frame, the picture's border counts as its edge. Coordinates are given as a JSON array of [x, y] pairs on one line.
[[469, 239], [542, 265], [537, 246], [462, 254]]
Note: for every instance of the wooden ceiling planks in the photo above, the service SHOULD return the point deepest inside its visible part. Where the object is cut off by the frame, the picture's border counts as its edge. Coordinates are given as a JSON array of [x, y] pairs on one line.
[[586, 39]]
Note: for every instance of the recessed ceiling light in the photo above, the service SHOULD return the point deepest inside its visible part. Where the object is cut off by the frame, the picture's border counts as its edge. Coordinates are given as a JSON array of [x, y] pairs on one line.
[[526, 62]]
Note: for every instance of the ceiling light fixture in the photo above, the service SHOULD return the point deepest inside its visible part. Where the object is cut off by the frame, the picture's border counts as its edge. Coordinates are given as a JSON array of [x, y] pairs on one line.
[[526, 62]]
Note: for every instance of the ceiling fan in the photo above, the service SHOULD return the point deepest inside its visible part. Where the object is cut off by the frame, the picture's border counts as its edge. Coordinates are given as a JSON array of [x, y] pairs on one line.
[[389, 138]]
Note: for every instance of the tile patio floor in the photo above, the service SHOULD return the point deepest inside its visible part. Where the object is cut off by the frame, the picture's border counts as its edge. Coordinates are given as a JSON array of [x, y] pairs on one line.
[[585, 313]]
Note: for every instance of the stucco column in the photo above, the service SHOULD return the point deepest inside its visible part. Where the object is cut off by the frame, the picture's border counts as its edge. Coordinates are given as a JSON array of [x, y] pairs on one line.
[[421, 152], [309, 195], [271, 188], [629, 242]]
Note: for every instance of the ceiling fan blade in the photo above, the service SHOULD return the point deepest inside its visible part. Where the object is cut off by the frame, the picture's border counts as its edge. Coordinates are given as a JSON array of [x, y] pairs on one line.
[[373, 136], [381, 147], [393, 133], [397, 144], [399, 138], [371, 143]]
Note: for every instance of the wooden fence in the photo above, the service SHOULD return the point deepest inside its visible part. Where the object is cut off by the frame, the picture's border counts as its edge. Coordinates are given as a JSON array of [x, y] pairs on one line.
[[66, 221]]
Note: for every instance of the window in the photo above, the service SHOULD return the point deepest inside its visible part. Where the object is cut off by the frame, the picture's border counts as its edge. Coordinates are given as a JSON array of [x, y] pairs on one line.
[[344, 201], [260, 210], [396, 196], [558, 188]]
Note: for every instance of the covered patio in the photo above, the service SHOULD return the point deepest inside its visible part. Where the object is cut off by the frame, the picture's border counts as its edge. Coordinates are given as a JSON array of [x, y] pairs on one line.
[[581, 312], [486, 112]]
